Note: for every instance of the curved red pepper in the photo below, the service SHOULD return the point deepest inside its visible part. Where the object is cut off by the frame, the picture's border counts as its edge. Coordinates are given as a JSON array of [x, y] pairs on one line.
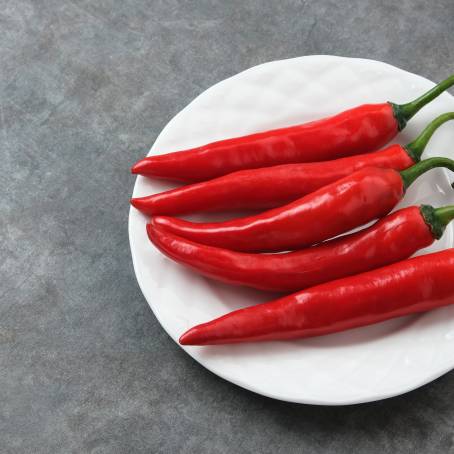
[[350, 202], [269, 187], [415, 285], [393, 238], [358, 130]]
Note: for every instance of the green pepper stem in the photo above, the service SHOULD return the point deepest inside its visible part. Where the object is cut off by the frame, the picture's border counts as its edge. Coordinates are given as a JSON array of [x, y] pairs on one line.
[[437, 218], [412, 173], [403, 112], [444, 214], [416, 148]]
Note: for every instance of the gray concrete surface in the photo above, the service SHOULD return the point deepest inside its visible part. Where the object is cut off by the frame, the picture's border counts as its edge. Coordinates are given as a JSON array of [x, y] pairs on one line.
[[85, 87]]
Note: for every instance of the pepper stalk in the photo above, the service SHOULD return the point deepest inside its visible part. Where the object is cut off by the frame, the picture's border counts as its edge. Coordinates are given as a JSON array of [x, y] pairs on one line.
[[404, 112], [412, 173]]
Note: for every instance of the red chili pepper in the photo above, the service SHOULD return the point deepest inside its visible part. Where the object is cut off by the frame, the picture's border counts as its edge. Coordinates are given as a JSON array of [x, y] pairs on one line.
[[393, 238], [414, 285], [359, 130], [354, 200], [269, 187]]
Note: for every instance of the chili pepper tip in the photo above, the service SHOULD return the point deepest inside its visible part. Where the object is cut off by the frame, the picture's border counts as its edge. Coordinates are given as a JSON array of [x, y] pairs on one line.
[[139, 166], [161, 221], [150, 231], [137, 202], [189, 337]]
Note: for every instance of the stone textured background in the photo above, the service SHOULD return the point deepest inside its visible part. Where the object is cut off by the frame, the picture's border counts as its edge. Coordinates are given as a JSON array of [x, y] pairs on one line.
[[85, 87]]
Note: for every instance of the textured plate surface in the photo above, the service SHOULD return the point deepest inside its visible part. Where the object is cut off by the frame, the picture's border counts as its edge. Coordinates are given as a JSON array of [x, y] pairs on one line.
[[360, 365]]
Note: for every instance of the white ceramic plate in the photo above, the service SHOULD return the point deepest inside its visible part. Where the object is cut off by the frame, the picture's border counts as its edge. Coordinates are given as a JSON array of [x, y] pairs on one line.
[[360, 365]]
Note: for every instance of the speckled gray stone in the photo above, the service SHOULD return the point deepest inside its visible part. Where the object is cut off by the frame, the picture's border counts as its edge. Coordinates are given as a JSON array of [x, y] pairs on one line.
[[85, 87]]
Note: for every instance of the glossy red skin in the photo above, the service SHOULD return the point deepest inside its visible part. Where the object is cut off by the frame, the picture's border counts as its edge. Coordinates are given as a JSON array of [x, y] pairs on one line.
[[414, 285], [393, 238], [267, 187], [350, 202], [358, 130]]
